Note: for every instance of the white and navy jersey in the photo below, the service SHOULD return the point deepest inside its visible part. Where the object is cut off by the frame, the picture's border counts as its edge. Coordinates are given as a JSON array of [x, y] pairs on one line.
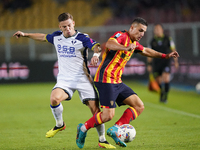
[[72, 54]]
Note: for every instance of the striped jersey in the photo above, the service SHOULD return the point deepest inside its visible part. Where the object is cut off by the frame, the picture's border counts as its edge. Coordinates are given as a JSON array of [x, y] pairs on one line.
[[113, 61], [72, 54]]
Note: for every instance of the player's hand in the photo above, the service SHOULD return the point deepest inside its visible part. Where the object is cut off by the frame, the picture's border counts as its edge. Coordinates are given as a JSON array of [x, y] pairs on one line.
[[18, 34], [94, 60], [131, 47], [173, 54]]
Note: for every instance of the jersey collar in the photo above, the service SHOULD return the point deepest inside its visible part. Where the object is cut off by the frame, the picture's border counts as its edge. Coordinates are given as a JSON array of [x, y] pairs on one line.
[[72, 35]]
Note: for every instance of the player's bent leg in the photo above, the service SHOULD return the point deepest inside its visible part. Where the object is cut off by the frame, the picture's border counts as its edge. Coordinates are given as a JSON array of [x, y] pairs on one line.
[[103, 143], [57, 95], [131, 113], [54, 130], [135, 102], [82, 129], [94, 107], [113, 133], [166, 79], [107, 115]]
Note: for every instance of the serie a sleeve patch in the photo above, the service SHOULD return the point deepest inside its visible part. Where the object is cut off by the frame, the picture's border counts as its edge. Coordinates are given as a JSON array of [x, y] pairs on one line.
[[117, 35]]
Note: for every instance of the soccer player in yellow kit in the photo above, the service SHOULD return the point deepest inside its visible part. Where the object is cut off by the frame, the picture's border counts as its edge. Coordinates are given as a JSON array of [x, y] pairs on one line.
[[119, 49]]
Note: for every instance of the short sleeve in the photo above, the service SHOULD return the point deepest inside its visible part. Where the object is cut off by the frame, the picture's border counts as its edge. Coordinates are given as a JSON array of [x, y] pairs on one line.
[[139, 48], [87, 41], [49, 37], [119, 37]]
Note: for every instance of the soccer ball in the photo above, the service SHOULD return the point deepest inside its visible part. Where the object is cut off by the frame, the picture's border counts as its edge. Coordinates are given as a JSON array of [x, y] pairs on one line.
[[126, 133], [198, 87]]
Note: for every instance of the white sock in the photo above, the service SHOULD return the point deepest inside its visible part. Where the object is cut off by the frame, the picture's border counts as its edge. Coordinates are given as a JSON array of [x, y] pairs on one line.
[[101, 132], [57, 113], [83, 128], [116, 125]]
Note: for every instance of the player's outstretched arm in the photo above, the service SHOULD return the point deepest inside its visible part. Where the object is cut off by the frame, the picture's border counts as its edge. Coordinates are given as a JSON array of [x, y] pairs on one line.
[[154, 54], [34, 36]]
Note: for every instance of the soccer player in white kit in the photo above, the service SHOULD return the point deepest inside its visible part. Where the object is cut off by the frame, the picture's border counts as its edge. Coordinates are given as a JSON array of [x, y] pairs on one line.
[[72, 48]]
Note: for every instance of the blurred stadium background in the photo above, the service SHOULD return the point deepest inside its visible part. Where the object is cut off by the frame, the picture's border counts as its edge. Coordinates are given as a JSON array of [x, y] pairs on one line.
[[25, 60]]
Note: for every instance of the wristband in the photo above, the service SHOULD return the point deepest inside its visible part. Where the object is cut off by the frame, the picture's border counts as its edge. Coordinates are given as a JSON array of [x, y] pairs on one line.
[[163, 56], [22, 34], [96, 54]]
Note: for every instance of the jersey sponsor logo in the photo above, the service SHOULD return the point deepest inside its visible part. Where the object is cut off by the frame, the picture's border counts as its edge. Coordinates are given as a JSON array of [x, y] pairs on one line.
[[60, 39], [66, 51]]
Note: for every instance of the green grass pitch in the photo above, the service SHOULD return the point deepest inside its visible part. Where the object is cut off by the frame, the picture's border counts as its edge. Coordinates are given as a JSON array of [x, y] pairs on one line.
[[25, 117]]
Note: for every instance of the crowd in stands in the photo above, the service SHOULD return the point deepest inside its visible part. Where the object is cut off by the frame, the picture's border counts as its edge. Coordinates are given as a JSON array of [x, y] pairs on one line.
[[13, 5], [153, 10], [61, 1], [124, 11]]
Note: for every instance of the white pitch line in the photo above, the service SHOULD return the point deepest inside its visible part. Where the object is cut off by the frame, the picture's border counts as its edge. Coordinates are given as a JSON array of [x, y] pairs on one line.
[[172, 110]]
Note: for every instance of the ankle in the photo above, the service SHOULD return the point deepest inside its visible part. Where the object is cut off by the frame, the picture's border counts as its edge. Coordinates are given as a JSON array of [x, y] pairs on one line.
[[83, 128]]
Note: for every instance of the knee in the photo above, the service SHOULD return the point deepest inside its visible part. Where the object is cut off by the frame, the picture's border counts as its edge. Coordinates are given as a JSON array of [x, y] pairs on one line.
[[95, 110], [140, 109], [110, 116], [93, 106], [55, 100], [107, 116]]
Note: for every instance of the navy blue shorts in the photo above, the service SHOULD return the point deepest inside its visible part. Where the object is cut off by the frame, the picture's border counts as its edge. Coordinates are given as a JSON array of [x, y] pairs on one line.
[[110, 94]]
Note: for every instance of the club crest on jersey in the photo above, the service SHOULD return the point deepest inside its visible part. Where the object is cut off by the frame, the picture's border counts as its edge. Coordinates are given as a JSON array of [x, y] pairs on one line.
[[117, 35], [73, 42], [111, 103]]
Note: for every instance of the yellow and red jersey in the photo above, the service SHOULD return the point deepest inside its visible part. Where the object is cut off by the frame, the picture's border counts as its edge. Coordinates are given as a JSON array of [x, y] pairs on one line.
[[113, 61]]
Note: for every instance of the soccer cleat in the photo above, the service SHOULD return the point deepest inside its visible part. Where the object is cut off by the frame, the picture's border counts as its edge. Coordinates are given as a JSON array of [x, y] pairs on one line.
[[164, 101], [105, 144], [112, 132], [163, 97], [54, 130], [80, 136]]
